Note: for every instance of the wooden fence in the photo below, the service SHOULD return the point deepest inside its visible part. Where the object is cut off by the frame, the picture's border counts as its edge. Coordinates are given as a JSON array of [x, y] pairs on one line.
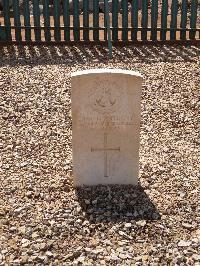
[[48, 21]]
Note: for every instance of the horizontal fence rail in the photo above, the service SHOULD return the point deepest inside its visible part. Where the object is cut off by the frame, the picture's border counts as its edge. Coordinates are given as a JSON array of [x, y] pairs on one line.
[[58, 21]]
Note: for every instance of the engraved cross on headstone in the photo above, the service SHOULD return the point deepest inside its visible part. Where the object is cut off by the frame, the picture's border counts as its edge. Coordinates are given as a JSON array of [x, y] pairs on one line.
[[105, 149]]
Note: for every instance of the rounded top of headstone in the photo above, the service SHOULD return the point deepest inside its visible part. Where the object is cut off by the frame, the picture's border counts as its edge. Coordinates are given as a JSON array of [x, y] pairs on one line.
[[107, 71]]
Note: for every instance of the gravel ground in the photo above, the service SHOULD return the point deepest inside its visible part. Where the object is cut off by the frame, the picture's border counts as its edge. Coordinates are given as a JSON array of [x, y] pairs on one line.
[[44, 221]]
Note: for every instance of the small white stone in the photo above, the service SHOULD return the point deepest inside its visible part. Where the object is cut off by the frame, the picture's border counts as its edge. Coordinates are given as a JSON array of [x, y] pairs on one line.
[[49, 254], [88, 249], [97, 251], [18, 210], [187, 225], [183, 243], [128, 225], [81, 259], [121, 233], [87, 202], [196, 257], [94, 201], [141, 223]]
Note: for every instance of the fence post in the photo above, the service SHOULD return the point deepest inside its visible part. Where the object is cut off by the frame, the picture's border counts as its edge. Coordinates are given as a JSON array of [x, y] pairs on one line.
[[134, 20], [154, 19], [108, 28], [2, 33], [56, 7], [115, 20], [124, 20], [27, 22], [144, 21], [66, 20], [183, 19], [96, 20], [6, 14], [36, 16], [105, 22], [193, 19], [76, 20], [46, 15], [86, 20], [173, 24], [17, 21]]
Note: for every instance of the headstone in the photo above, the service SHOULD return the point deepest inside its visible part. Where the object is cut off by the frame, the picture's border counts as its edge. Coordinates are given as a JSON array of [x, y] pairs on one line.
[[106, 126]]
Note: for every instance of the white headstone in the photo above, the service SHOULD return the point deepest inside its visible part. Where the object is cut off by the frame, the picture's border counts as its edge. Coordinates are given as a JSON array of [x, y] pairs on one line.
[[106, 126]]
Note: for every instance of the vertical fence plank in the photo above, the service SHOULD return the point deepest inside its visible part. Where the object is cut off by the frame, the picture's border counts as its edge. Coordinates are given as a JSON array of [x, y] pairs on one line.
[[173, 24], [46, 14], [36, 16], [27, 21], [154, 19], [193, 18], [144, 19], [66, 19], [2, 33], [164, 14], [105, 21], [183, 19], [6, 13], [107, 17], [56, 14], [96, 19], [124, 20], [85, 20], [134, 20], [17, 22], [115, 24], [76, 21]]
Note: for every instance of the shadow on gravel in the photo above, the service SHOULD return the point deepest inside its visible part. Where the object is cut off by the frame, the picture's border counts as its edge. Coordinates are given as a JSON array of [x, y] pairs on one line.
[[116, 203], [80, 54]]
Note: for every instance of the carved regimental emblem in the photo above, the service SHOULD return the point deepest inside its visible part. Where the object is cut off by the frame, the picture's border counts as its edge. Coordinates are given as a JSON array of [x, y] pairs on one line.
[[104, 98]]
